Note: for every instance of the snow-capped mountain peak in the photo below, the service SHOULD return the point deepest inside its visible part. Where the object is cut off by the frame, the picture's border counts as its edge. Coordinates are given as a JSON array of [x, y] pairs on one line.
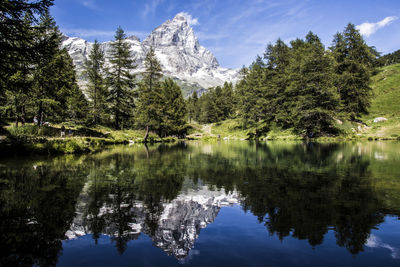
[[176, 47]]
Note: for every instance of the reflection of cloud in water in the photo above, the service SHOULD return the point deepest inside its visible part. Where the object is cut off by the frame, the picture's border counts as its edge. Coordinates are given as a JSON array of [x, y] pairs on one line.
[[192, 253], [374, 242]]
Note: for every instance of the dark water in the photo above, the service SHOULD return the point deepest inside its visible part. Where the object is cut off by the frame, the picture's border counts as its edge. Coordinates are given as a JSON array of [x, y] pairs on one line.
[[222, 204]]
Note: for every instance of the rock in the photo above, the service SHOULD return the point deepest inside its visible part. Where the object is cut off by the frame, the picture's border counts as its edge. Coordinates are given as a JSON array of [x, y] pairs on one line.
[[339, 122], [176, 47], [379, 119]]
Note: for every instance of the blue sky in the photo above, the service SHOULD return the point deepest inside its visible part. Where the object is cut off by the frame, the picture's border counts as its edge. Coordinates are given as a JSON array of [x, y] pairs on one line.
[[235, 31]]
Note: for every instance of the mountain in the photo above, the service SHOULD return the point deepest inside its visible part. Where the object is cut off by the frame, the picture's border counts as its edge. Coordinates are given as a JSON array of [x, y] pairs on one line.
[[176, 47]]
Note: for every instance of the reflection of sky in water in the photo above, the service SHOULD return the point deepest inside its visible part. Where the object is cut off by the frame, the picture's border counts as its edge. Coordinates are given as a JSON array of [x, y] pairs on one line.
[[375, 242], [387, 237], [236, 238], [241, 204]]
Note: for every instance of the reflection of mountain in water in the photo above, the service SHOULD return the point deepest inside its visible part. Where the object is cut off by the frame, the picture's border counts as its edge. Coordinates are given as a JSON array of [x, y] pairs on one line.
[[300, 191], [178, 226]]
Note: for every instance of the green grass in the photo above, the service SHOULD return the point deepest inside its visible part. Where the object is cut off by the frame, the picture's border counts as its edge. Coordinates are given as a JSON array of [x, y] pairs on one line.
[[385, 103], [230, 129], [386, 89], [47, 140]]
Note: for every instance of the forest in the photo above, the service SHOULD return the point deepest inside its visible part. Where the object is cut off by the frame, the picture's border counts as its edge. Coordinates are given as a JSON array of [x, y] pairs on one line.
[[301, 86]]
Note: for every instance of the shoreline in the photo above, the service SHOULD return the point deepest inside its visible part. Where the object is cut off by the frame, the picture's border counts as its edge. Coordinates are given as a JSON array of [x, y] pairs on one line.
[[87, 145]]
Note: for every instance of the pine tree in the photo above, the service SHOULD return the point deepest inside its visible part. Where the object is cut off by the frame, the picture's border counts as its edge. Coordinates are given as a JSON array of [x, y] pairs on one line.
[[54, 77], [354, 63], [174, 109], [276, 80], [228, 100], [192, 105], [121, 80], [96, 88], [209, 112], [313, 99], [150, 107], [18, 94], [17, 44], [250, 91]]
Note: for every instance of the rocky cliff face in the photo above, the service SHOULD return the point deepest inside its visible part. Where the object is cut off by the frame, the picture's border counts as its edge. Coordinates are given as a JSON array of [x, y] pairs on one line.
[[174, 226], [176, 47]]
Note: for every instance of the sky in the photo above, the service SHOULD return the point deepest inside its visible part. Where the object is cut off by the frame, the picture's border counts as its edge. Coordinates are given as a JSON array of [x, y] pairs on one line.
[[235, 31]]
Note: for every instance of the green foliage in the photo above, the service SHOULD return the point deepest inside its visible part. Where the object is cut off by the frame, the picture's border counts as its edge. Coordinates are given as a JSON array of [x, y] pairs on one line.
[[121, 81], [314, 98], [42, 82], [305, 87], [96, 88], [192, 105], [174, 113], [389, 59], [19, 51], [354, 64], [215, 105], [161, 107], [149, 110]]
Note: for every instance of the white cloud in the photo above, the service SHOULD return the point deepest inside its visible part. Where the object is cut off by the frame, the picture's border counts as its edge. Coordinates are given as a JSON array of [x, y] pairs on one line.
[[91, 4], [367, 28], [190, 20], [150, 7]]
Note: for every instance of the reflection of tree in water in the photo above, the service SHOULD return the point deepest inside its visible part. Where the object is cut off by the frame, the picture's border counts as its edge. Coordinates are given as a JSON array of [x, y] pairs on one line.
[[302, 191], [122, 181], [36, 208], [295, 190]]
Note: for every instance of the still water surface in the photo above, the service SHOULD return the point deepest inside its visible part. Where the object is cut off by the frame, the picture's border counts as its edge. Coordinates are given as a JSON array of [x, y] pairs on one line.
[[222, 204]]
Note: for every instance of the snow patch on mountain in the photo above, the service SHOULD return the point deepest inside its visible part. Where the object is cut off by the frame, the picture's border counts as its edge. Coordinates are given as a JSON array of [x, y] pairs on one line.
[[176, 47]]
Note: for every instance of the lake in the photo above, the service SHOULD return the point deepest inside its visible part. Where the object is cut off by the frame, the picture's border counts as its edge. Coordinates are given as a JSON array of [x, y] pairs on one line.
[[204, 204]]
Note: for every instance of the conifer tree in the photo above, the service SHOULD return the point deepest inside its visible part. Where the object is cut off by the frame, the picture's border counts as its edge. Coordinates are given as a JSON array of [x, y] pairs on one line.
[[228, 100], [174, 109], [96, 88], [209, 112], [17, 44], [150, 107], [54, 76], [354, 63], [192, 105], [277, 58], [251, 100], [313, 97], [121, 80], [18, 93]]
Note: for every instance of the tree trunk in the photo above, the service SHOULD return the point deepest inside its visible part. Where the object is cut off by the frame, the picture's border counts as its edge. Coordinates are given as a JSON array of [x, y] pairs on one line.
[[40, 114], [147, 134], [23, 115], [117, 120], [147, 150]]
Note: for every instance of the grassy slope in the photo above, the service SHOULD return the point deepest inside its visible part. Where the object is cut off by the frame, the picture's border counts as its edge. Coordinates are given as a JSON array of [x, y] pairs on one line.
[[385, 103]]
